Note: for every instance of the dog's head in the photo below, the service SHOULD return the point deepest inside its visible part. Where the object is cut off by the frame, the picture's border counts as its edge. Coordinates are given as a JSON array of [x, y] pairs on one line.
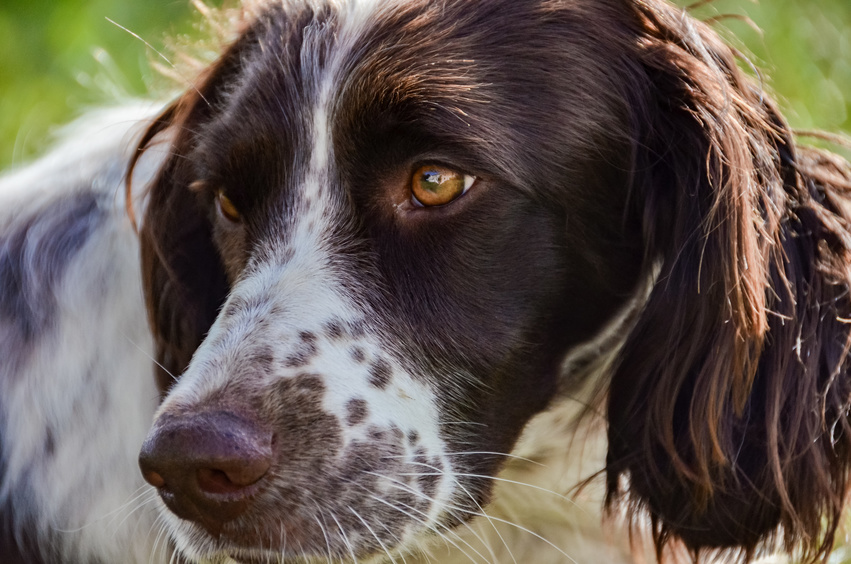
[[384, 226]]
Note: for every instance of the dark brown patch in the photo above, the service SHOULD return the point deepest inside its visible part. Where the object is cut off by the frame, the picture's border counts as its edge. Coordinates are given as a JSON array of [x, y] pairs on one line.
[[358, 355], [428, 480], [380, 373], [376, 434], [261, 359], [296, 361], [334, 330], [358, 328], [309, 381], [305, 351], [356, 411], [413, 437]]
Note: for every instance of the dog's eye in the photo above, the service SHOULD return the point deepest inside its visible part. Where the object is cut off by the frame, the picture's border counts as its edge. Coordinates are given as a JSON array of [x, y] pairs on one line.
[[434, 185], [226, 208]]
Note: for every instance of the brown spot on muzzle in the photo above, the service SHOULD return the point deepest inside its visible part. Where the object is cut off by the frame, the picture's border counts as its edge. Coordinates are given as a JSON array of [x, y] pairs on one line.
[[308, 437], [356, 411], [380, 373]]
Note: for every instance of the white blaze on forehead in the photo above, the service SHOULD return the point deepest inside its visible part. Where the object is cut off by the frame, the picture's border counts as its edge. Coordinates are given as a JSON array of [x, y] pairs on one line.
[[301, 274], [353, 19]]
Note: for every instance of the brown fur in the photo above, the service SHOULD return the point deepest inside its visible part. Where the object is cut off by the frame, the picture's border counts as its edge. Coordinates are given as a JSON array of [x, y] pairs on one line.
[[728, 410], [728, 401]]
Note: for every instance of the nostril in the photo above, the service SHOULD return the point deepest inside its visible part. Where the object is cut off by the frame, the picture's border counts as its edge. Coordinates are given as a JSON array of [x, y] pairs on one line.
[[153, 478], [215, 481], [228, 476]]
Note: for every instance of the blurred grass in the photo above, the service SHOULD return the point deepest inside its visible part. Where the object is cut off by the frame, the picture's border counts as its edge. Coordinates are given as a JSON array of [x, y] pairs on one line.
[[58, 57], [803, 51]]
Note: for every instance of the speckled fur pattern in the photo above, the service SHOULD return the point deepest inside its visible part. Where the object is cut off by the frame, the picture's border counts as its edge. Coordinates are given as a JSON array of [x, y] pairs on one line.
[[75, 376]]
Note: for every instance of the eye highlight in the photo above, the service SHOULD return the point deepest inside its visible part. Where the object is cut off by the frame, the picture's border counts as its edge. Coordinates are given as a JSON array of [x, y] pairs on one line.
[[434, 185], [226, 208]]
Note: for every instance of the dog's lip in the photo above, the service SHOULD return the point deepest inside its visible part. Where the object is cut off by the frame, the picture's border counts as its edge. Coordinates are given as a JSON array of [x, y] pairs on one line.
[[243, 543]]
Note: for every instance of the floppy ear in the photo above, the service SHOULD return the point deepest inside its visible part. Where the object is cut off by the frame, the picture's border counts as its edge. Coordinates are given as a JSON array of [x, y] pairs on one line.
[[728, 405], [183, 277]]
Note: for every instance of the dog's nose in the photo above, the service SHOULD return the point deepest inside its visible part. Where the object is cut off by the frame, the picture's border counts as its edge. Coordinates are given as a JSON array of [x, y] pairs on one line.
[[207, 466]]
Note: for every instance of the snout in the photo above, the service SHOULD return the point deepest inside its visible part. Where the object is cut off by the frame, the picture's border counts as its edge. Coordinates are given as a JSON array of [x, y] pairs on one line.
[[207, 466]]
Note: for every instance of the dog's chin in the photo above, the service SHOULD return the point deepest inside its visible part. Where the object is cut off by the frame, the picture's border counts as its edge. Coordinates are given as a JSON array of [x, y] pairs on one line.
[[241, 555], [224, 550], [261, 543], [247, 546]]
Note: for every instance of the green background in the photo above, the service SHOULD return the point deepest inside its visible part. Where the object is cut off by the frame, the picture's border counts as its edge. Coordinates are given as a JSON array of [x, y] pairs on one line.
[[58, 57]]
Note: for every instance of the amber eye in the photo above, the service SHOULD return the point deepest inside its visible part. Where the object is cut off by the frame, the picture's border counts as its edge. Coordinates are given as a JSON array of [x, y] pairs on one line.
[[436, 185], [226, 208]]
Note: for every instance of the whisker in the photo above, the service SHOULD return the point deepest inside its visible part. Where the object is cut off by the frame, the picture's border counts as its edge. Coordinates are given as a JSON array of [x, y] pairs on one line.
[[405, 487], [365, 524], [497, 479], [188, 82], [479, 506], [150, 356], [113, 514], [467, 511], [324, 533], [151, 499], [503, 454], [160, 524], [432, 528], [345, 537]]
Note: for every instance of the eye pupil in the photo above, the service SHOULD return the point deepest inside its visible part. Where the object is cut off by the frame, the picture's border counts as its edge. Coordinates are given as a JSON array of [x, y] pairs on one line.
[[436, 186]]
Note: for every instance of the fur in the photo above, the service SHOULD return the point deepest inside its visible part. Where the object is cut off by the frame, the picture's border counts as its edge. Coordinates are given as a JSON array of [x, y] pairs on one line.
[[636, 308]]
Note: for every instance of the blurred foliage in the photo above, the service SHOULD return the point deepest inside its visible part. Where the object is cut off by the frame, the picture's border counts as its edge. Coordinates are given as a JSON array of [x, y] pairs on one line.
[[802, 49], [58, 57]]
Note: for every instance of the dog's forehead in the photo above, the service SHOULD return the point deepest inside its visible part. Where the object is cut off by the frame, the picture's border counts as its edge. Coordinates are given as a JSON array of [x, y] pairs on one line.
[[319, 83]]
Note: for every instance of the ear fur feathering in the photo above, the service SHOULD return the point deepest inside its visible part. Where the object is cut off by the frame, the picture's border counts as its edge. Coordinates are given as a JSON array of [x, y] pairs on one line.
[[728, 407], [184, 279]]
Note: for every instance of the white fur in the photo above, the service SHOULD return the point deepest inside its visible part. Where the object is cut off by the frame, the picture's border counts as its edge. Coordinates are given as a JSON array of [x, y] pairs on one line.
[[89, 382]]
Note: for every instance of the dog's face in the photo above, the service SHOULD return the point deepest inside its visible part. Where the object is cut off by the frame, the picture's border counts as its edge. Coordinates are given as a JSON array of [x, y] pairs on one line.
[[408, 213]]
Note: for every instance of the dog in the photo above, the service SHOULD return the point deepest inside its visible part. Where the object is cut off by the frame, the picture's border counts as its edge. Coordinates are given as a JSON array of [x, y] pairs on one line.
[[412, 281]]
